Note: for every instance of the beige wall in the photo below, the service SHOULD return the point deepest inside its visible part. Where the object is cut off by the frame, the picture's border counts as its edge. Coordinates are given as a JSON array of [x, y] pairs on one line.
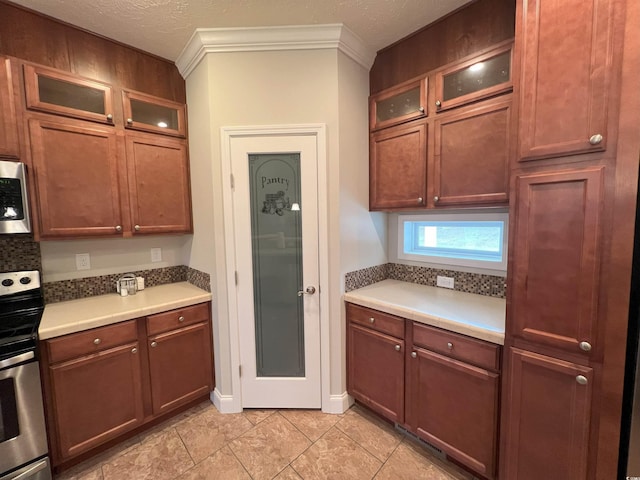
[[280, 88]]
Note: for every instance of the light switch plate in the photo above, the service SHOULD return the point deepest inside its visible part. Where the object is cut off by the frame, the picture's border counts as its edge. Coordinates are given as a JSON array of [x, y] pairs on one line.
[[156, 254], [83, 261], [446, 282]]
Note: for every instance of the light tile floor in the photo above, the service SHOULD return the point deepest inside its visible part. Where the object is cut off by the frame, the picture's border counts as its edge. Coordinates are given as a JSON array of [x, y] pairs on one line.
[[203, 444]]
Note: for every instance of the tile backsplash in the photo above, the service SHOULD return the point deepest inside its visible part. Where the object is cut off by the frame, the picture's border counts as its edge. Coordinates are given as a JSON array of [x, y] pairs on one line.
[[19, 252], [490, 285]]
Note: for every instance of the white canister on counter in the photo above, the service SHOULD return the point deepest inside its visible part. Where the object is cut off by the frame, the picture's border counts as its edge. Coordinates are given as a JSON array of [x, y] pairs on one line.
[[140, 283]]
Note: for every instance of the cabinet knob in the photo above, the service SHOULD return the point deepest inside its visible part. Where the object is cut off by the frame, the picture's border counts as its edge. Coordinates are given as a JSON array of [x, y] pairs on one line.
[[596, 139], [419, 199], [397, 347], [421, 109], [586, 346], [438, 103], [450, 345], [414, 355], [97, 341], [136, 228], [129, 121], [109, 117], [134, 350], [436, 199], [154, 344], [181, 319], [582, 380], [118, 228], [371, 319]]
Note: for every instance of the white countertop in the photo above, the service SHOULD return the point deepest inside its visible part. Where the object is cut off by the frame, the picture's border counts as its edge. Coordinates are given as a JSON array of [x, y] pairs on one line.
[[74, 316], [477, 316]]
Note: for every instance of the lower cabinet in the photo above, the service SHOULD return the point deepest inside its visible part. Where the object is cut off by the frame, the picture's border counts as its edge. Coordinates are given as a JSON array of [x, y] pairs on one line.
[[547, 424], [104, 382], [448, 383]]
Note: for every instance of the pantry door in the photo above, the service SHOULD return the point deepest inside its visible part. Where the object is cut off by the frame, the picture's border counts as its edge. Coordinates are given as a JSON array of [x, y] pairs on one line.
[[275, 202]]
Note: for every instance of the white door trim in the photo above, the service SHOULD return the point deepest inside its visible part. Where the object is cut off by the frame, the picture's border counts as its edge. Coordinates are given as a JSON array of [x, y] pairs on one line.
[[234, 404]]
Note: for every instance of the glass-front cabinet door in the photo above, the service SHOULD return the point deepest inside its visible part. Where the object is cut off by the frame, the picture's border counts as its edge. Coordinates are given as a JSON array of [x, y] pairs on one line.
[[153, 114], [53, 91], [480, 77], [398, 104]]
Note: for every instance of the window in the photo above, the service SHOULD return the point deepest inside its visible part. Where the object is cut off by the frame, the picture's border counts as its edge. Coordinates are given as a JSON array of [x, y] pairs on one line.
[[470, 240]]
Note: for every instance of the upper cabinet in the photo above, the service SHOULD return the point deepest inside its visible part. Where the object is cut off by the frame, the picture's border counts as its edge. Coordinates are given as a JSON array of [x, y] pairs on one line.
[[60, 93], [474, 79], [399, 104], [9, 144], [565, 50], [152, 114]]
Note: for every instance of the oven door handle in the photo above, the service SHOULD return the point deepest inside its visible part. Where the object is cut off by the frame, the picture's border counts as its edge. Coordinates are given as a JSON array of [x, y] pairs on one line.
[[23, 475], [9, 362]]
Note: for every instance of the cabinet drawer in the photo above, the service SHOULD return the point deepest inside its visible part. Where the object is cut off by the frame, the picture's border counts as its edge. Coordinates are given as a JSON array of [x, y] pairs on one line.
[[91, 341], [163, 322], [382, 322], [470, 350]]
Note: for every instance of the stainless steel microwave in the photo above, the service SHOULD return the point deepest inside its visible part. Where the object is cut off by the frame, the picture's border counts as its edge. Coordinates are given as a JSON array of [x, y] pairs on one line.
[[14, 204]]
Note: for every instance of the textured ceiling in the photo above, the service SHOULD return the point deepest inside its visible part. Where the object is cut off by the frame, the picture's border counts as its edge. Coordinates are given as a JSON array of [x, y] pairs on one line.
[[163, 27]]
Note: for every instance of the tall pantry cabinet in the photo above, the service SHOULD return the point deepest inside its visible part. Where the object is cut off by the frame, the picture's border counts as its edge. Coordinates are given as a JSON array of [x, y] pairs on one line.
[[558, 345]]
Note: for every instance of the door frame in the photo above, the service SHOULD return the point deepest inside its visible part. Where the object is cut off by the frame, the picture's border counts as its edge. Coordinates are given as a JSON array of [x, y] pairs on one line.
[[318, 131]]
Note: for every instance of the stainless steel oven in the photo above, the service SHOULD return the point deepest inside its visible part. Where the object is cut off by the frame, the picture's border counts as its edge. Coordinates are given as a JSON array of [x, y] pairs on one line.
[[14, 203], [23, 436]]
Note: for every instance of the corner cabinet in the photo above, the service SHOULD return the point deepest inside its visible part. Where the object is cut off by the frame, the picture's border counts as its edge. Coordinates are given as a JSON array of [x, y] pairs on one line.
[[9, 142]]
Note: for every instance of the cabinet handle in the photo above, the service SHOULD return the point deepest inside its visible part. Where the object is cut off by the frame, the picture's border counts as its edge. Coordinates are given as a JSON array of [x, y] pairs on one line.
[[371, 319], [397, 347], [136, 228], [421, 109], [109, 117], [419, 199], [134, 350], [582, 380], [129, 121], [118, 228], [438, 103], [181, 318], [414, 355], [450, 345], [596, 139], [97, 341], [436, 199], [154, 344], [585, 346]]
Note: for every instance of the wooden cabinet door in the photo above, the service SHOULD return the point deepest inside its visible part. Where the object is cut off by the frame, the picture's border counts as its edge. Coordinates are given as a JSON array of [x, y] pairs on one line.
[[471, 162], [77, 178], [180, 364], [555, 257], [399, 104], [548, 419], [96, 398], [565, 51], [153, 114], [398, 167], [9, 144], [454, 406], [159, 188], [375, 371]]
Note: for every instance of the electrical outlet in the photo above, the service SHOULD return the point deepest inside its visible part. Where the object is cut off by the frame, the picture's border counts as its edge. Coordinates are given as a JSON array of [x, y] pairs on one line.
[[446, 282], [83, 261], [156, 254]]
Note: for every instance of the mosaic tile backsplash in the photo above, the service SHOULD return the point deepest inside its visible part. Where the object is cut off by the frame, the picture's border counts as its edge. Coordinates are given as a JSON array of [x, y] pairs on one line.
[[490, 285], [64, 290], [19, 252]]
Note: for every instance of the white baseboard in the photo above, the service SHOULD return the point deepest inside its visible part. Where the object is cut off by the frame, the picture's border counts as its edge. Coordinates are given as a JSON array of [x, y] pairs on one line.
[[225, 403], [338, 404]]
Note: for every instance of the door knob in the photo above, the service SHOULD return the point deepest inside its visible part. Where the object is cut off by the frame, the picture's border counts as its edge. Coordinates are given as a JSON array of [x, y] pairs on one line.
[[308, 291]]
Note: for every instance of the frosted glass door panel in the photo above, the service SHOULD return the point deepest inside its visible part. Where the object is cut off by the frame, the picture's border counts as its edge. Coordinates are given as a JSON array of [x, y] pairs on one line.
[[276, 240]]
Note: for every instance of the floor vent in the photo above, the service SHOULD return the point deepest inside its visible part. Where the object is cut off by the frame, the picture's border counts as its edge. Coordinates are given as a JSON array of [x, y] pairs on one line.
[[434, 450]]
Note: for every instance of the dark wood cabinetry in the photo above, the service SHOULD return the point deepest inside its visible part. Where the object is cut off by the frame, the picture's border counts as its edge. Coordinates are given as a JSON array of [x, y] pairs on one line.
[[548, 419], [102, 383], [158, 179], [77, 176], [9, 142], [565, 57]]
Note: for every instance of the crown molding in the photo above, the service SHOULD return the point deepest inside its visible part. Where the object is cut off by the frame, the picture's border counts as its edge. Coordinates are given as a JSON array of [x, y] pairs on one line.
[[259, 39]]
